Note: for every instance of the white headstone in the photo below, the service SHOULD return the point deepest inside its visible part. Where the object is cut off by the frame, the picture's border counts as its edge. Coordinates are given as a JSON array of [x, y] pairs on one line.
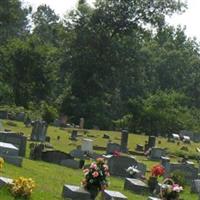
[[87, 145]]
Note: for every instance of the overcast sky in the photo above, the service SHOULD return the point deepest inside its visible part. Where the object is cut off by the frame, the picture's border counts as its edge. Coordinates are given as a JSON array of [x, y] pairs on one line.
[[190, 18]]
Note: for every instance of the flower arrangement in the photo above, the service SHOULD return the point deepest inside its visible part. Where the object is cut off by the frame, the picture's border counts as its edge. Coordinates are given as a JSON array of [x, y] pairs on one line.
[[156, 171], [132, 170], [170, 192], [1, 163], [22, 187], [96, 177]]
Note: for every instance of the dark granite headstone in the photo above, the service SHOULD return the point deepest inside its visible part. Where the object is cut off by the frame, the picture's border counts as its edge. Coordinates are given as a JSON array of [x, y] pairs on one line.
[[157, 153], [39, 131], [124, 141], [74, 135], [118, 165], [112, 147], [16, 139], [165, 161], [136, 186], [75, 193], [74, 164], [152, 141], [113, 195]]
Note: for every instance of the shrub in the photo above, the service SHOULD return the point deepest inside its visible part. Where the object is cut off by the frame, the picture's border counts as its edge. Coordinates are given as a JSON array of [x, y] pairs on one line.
[[22, 187]]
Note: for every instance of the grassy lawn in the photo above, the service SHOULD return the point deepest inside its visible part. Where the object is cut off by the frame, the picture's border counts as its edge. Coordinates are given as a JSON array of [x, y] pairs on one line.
[[50, 178]]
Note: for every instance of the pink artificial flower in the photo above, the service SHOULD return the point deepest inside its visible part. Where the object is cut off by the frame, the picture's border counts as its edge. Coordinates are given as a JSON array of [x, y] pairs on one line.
[[105, 167], [107, 173], [86, 171], [177, 188], [95, 174], [93, 166]]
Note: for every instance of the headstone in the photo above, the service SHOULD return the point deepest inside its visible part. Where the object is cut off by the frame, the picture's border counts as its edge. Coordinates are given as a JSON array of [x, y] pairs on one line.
[[16, 139], [87, 145], [8, 149], [139, 147], [189, 171], [55, 156], [75, 193], [136, 186], [157, 153], [5, 181], [165, 161], [14, 160], [20, 116], [195, 187], [118, 165], [186, 139], [142, 168], [186, 133], [48, 139], [39, 131], [124, 141], [74, 135], [153, 198], [113, 195], [77, 153], [152, 141], [113, 147], [81, 125], [74, 164], [36, 152], [175, 136], [3, 114]]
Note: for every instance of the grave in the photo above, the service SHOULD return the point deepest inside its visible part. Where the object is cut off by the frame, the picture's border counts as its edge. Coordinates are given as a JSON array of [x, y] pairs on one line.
[[113, 147], [156, 153], [39, 131], [118, 165], [151, 141], [14, 160], [77, 153], [55, 156], [195, 187], [186, 133], [124, 141], [74, 135], [5, 181], [139, 147], [74, 164], [175, 136], [20, 116], [16, 139], [165, 161], [87, 145], [75, 193], [153, 198], [189, 171], [8, 149], [113, 195], [135, 185], [81, 124]]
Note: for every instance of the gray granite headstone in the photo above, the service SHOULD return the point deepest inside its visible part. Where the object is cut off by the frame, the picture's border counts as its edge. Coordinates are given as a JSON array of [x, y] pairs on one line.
[[5, 181], [113, 195], [39, 131], [157, 153], [75, 193], [165, 161], [136, 186], [74, 164], [16, 139], [14, 160], [195, 187], [118, 165]]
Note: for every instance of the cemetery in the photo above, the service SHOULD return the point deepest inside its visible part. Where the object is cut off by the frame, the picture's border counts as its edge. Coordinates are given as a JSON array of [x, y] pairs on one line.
[[133, 166]]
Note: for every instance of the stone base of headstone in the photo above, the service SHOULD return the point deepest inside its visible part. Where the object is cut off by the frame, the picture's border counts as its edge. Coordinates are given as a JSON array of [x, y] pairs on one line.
[[75, 193], [195, 187], [136, 186], [153, 198], [14, 160], [74, 164], [113, 195], [5, 181]]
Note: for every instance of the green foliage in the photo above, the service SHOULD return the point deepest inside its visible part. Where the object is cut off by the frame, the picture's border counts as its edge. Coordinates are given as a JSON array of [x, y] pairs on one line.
[[178, 177]]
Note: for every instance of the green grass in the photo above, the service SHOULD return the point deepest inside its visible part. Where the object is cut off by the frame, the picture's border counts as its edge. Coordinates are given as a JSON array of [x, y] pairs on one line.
[[50, 178]]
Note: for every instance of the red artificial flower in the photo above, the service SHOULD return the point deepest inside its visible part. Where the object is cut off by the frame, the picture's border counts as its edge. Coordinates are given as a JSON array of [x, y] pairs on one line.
[[157, 170]]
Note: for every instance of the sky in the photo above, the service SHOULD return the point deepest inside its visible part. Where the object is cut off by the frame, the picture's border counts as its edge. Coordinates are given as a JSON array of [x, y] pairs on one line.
[[190, 18]]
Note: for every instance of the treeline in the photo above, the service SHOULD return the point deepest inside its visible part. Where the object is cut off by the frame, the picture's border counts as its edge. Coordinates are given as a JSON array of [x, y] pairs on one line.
[[102, 63]]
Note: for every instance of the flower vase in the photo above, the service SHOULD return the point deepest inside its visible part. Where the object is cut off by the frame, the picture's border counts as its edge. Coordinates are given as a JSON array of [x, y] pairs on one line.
[[93, 192], [152, 183]]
